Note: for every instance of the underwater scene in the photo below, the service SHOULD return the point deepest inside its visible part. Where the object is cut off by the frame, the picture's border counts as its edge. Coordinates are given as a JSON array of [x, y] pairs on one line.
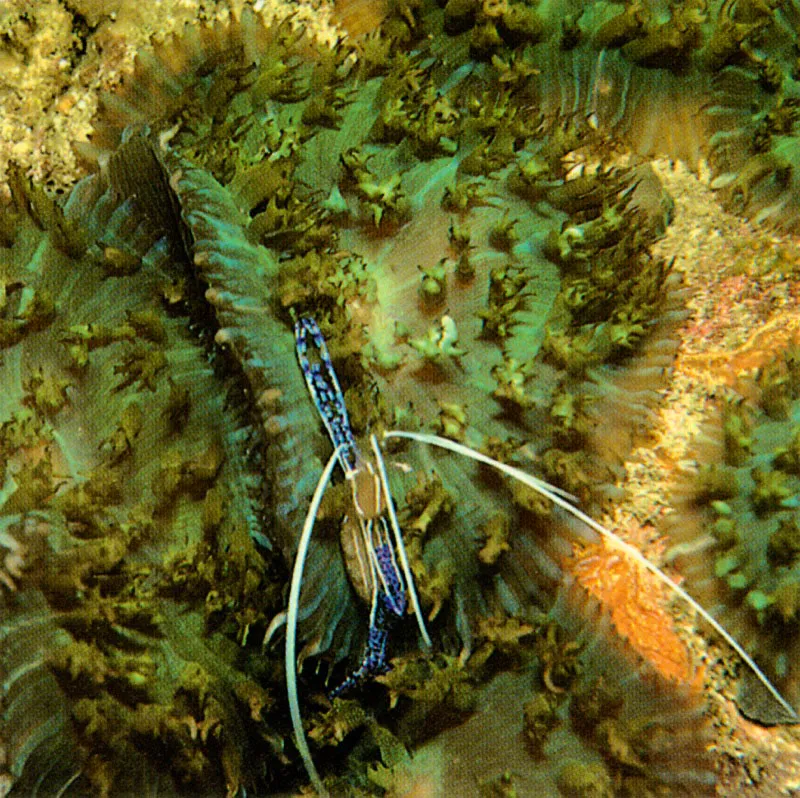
[[400, 398]]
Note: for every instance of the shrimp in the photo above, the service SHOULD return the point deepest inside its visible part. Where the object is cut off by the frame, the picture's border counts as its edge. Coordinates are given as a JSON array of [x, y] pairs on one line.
[[376, 559], [371, 555], [372, 542]]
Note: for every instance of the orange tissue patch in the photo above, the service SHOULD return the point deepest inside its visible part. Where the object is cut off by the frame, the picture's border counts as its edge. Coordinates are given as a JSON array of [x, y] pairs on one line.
[[635, 599]]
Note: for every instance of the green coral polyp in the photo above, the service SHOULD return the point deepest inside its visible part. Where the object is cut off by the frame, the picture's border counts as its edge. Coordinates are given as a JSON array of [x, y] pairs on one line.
[[778, 388], [771, 490], [440, 343], [746, 495], [503, 235], [47, 394], [783, 549], [433, 285], [738, 442]]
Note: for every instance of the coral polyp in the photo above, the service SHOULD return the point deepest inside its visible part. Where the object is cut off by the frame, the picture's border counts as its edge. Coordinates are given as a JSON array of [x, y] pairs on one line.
[[736, 528]]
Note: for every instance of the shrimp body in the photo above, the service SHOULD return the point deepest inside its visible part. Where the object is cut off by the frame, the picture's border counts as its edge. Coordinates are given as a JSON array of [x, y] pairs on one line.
[[369, 551]]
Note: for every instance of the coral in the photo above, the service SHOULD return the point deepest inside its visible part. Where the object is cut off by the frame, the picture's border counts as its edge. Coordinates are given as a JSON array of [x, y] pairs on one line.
[[577, 708], [98, 638], [755, 151], [742, 505], [712, 79], [382, 171], [478, 269]]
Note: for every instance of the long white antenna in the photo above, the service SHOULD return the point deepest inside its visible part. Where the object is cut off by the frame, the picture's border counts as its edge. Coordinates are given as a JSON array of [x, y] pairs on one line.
[[291, 623], [616, 541]]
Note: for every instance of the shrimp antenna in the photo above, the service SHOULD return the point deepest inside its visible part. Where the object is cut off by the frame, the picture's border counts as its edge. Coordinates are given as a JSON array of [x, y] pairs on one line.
[[291, 622], [617, 542]]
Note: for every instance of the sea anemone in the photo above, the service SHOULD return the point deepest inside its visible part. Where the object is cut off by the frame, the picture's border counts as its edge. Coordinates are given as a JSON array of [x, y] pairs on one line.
[[125, 478], [393, 200], [694, 81], [755, 113], [578, 713], [480, 271]]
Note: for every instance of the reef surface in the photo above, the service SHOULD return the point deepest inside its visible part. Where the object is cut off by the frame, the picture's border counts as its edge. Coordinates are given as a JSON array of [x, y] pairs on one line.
[[445, 198]]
